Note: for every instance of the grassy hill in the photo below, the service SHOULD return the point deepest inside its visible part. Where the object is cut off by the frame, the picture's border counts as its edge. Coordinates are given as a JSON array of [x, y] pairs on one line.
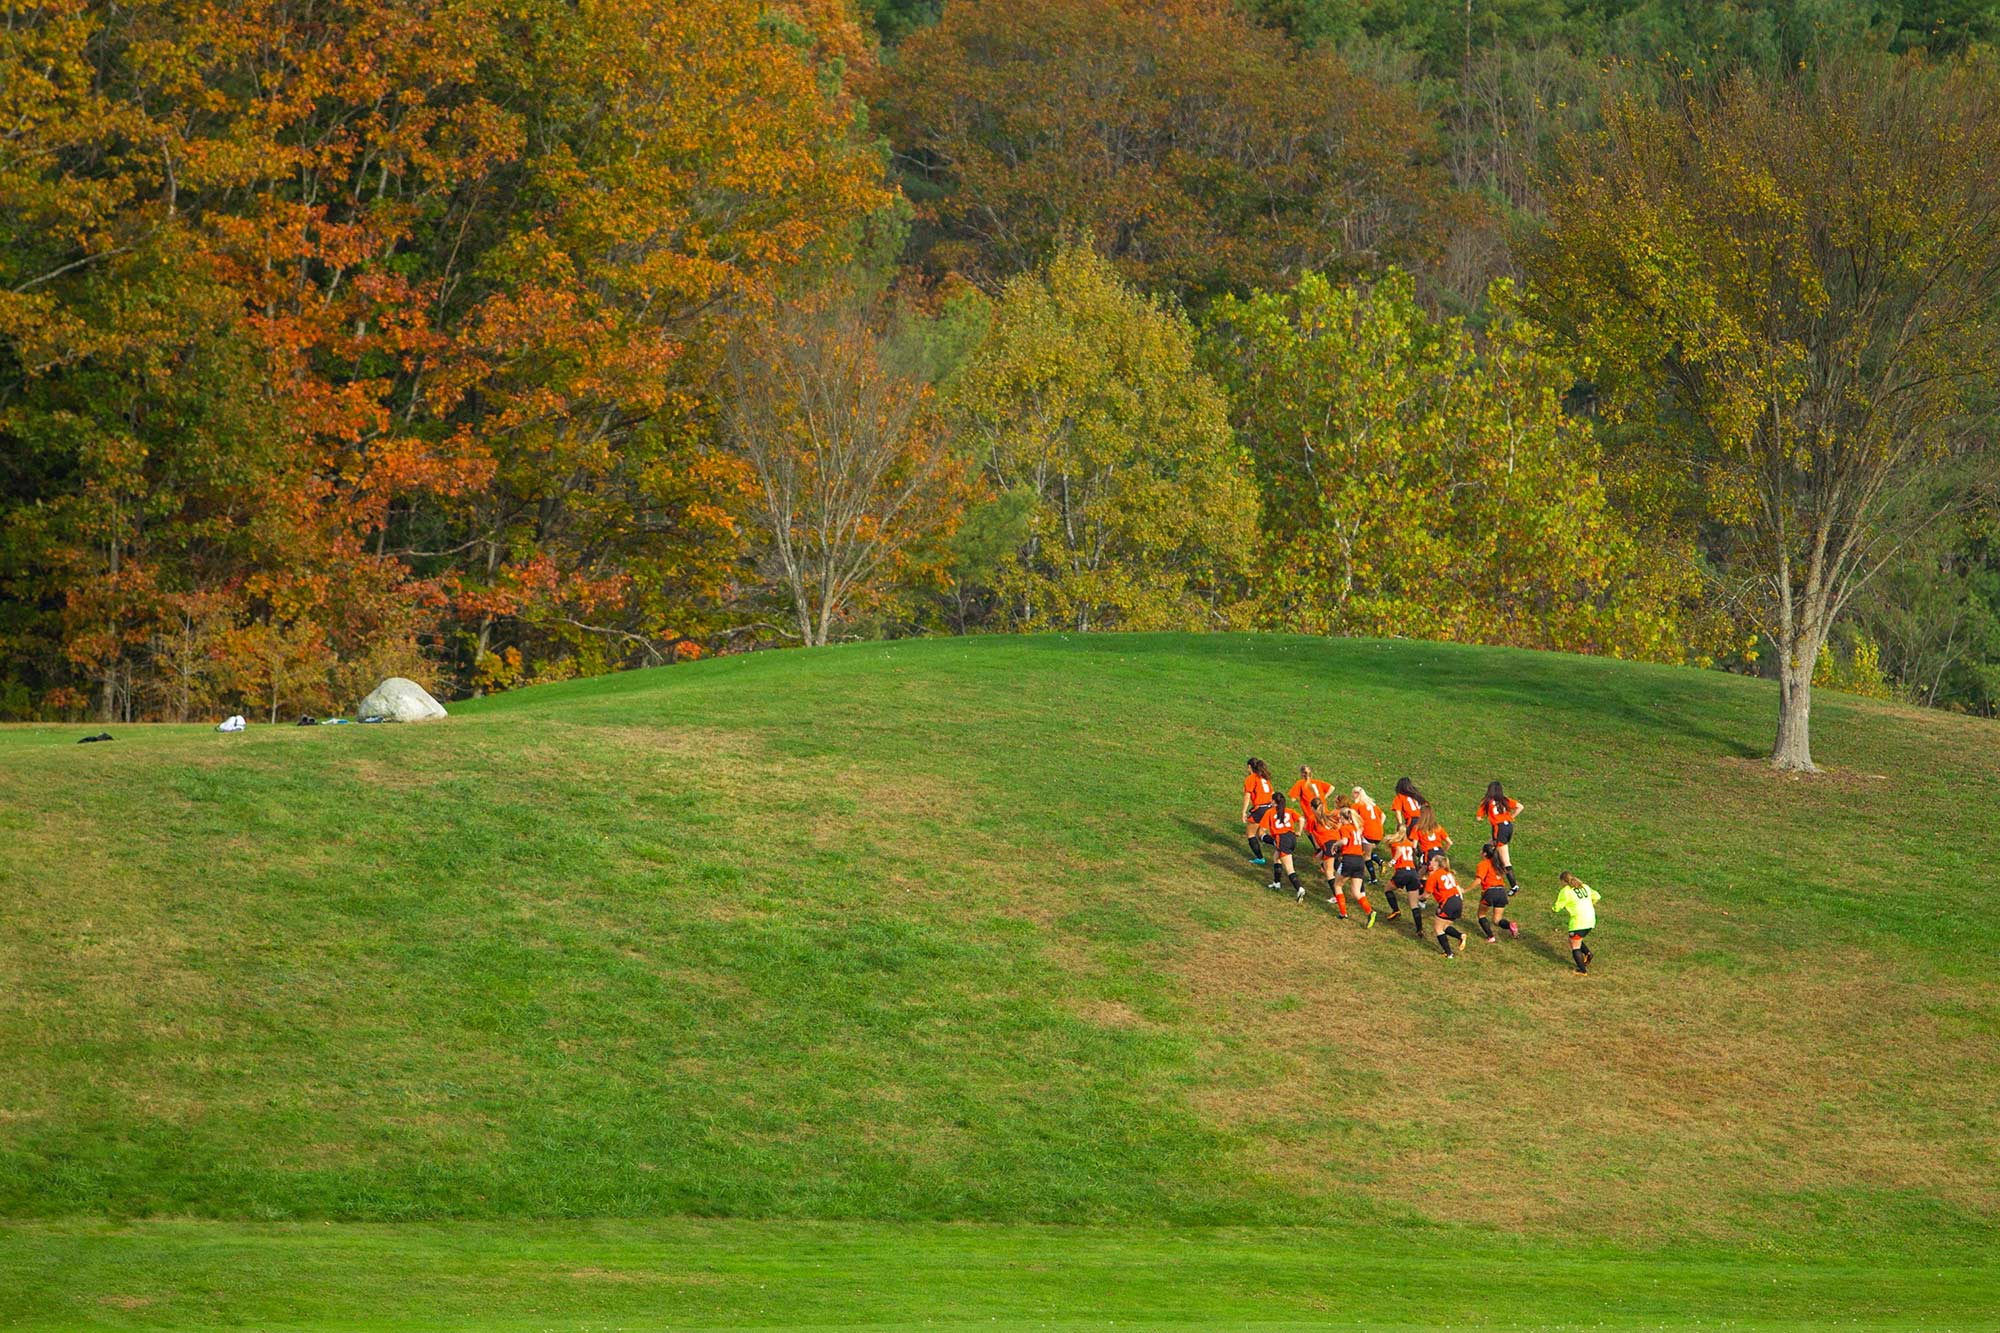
[[736, 971]]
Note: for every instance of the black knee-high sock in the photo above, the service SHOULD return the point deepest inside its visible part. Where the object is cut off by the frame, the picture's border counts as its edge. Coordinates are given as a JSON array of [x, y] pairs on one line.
[[1293, 876], [1395, 905], [1508, 871], [1455, 933], [1255, 850], [1582, 959], [1443, 944], [1417, 915], [1486, 926], [1587, 954]]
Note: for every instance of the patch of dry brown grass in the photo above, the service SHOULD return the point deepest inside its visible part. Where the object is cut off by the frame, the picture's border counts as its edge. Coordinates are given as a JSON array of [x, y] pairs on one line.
[[1501, 1090]]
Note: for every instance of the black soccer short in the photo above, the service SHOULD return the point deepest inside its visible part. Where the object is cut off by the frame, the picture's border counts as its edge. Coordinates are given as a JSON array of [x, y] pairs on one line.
[[1257, 812], [1581, 933], [1353, 867], [1503, 832], [1285, 842], [1496, 896], [1407, 880], [1326, 851], [1452, 908]]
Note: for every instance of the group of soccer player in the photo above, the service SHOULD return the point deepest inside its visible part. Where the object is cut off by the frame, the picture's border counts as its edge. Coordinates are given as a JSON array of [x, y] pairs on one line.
[[1345, 833]]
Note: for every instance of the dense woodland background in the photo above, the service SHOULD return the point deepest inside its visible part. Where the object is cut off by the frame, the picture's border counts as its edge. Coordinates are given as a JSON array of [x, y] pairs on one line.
[[490, 344]]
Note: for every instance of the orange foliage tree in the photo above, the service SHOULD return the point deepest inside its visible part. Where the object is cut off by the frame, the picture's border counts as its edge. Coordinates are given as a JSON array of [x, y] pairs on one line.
[[329, 330]]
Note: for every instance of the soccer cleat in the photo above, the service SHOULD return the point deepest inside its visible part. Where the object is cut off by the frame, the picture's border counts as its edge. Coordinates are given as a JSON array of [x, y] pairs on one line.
[[1394, 913], [1513, 930], [1273, 885], [1302, 893], [1256, 860], [1371, 919]]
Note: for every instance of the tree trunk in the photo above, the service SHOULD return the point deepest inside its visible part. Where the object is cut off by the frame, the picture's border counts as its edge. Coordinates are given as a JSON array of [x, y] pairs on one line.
[[1793, 750]]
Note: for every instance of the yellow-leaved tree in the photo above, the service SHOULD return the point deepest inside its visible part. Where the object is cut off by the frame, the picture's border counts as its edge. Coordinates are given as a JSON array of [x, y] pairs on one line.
[[1084, 403], [1788, 290], [1417, 480]]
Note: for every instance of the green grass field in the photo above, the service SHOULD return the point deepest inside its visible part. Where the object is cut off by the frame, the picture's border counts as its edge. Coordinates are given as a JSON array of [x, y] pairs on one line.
[[926, 984]]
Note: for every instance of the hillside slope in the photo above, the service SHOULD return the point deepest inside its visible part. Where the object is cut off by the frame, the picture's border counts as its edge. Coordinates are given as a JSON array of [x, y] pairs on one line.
[[963, 930]]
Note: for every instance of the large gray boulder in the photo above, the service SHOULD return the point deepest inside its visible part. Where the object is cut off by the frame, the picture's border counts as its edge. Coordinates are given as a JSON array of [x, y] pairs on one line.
[[399, 700]]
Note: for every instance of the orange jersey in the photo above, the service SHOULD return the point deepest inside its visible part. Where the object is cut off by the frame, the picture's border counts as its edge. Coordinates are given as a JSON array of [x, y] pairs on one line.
[[1305, 795], [1320, 829], [1402, 856], [1258, 789], [1371, 819], [1432, 840], [1276, 824], [1406, 808], [1489, 875], [1497, 813], [1442, 886], [1352, 841]]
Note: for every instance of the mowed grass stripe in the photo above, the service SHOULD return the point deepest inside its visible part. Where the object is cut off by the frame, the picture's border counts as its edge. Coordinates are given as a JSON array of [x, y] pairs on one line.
[[704, 1275]]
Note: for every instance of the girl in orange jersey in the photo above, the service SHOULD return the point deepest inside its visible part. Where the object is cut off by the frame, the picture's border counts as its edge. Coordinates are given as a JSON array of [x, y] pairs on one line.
[[1323, 830], [1408, 802], [1499, 810], [1429, 835], [1441, 887], [1281, 831], [1371, 827], [1494, 893], [1308, 795], [1257, 794], [1403, 876], [1353, 862]]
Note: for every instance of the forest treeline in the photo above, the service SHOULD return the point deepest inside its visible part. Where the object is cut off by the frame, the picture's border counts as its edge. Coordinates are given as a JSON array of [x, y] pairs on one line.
[[493, 343]]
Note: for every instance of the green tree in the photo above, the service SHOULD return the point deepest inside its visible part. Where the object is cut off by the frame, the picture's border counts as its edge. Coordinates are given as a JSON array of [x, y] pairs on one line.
[[1085, 397], [1417, 482], [1790, 289]]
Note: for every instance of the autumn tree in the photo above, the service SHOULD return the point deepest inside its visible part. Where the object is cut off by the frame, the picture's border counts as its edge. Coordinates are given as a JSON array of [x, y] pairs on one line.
[[1085, 400], [1790, 287], [1416, 480], [370, 326], [1196, 150], [857, 493]]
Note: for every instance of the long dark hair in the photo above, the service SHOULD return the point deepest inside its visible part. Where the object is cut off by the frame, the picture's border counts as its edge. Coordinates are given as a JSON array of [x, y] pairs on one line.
[[1494, 794], [1405, 787], [1278, 802], [1259, 767]]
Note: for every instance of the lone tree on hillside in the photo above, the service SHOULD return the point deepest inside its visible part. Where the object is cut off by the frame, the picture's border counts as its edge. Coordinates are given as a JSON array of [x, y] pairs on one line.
[[1792, 289]]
